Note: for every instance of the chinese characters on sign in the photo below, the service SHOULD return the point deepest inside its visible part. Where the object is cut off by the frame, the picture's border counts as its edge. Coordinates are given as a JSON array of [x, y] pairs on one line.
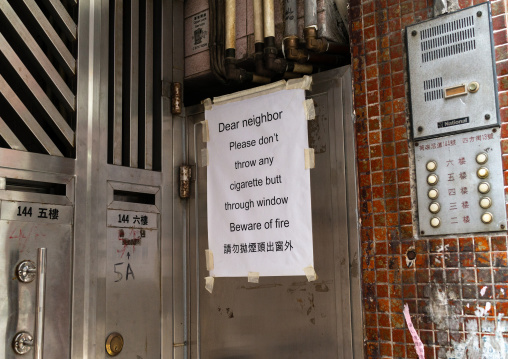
[[51, 213], [440, 143], [198, 29], [36, 212], [278, 246]]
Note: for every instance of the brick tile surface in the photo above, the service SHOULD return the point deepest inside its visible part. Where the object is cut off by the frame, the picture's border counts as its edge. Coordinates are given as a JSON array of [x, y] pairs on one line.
[[466, 271]]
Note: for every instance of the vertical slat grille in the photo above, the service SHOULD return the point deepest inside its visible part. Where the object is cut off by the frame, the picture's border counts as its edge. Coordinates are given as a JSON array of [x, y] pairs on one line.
[[38, 53], [131, 91]]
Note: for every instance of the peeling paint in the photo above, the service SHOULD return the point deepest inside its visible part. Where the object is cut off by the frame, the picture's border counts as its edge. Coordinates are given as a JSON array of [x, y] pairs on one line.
[[438, 307], [488, 347], [443, 248], [480, 312], [483, 290]]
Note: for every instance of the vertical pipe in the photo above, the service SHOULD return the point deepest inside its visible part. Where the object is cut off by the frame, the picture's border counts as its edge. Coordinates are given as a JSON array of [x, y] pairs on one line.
[[310, 18], [290, 18], [230, 24], [269, 21], [40, 302], [258, 21]]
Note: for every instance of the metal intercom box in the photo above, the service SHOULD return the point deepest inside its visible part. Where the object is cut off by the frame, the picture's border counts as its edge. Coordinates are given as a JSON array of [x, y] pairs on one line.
[[452, 73], [460, 183]]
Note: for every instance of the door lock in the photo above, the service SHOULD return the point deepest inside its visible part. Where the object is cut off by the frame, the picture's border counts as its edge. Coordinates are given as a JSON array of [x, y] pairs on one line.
[[114, 344], [22, 343], [26, 271]]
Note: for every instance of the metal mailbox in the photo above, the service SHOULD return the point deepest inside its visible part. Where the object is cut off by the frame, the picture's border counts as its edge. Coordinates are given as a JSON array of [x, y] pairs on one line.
[[36, 232], [133, 274]]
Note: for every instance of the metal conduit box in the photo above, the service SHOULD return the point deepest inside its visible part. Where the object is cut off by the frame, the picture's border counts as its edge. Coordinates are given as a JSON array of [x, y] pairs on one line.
[[460, 183], [452, 73]]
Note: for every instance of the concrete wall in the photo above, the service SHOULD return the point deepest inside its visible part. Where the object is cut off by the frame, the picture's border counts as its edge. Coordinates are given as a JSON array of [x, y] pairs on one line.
[[455, 279]]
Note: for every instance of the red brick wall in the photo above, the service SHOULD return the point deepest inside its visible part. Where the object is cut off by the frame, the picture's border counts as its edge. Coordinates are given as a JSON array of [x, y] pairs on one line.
[[458, 267]]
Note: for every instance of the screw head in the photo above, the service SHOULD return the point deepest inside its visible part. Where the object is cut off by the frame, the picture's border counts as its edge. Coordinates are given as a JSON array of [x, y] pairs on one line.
[[420, 128], [479, 14], [494, 130], [487, 117], [422, 232], [502, 226], [413, 32]]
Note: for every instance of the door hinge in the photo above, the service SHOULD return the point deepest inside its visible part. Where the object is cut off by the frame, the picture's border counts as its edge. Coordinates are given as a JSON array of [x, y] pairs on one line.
[[185, 180], [173, 91]]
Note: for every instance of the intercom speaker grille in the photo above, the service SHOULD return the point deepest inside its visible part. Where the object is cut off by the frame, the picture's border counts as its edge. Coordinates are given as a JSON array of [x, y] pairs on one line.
[[448, 39], [433, 89]]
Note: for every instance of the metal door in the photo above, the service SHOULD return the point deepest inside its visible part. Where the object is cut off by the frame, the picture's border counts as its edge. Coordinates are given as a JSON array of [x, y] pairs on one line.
[[133, 269], [36, 211], [288, 317], [103, 120]]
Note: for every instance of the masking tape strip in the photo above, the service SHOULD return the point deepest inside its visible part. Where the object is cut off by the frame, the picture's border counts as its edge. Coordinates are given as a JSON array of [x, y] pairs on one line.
[[209, 281], [253, 277], [310, 273], [304, 83], [209, 259], [310, 110], [416, 339], [310, 161], [208, 104], [204, 157], [205, 132], [250, 93]]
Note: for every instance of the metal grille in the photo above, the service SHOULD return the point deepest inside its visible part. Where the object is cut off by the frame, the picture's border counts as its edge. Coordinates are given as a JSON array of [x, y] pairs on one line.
[[134, 116], [38, 50], [433, 89], [448, 39]]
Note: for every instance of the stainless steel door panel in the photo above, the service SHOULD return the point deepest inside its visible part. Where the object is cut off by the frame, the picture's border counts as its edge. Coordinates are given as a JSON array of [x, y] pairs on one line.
[[133, 289], [289, 317], [19, 241]]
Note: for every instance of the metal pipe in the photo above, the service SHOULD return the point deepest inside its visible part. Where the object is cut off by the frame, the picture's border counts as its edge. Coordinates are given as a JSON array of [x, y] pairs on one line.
[[40, 302], [310, 17], [319, 44], [269, 18], [233, 73], [290, 18], [259, 63], [271, 61], [258, 21], [230, 24]]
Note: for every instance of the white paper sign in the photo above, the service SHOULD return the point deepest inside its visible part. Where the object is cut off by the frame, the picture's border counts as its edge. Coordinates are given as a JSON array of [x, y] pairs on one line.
[[258, 192]]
